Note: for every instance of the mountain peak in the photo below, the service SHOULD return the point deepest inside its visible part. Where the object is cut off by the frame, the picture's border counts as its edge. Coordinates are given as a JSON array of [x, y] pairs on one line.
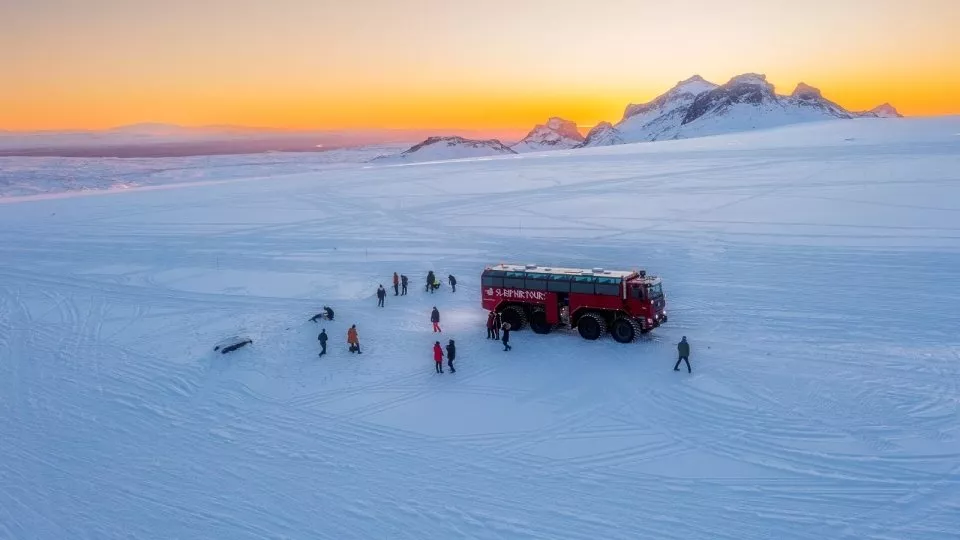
[[754, 79], [677, 97], [557, 133], [602, 134], [805, 91], [448, 147], [884, 111]]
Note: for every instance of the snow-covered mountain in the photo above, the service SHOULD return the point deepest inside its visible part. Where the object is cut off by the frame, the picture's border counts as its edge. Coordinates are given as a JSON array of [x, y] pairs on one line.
[[696, 108], [649, 121], [602, 134], [446, 148], [881, 111], [556, 134]]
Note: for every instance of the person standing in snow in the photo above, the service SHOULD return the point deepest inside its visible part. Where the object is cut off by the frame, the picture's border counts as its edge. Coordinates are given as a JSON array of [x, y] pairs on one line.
[[322, 338], [453, 282], [491, 324], [430, 279], [435, 319], [683, 352], [396, 284], [403, 285], [506, 337], [451, 354], [381, 295], [496, 325], [438, 357], [353, 339]]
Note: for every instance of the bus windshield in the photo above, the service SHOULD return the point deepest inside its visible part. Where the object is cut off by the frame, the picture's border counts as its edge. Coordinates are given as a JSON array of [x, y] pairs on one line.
[[654, 291]]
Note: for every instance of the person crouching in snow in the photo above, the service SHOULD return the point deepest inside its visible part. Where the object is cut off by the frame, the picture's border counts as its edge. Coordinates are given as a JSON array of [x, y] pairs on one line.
[[438, 357], [435, 319], [353, 340], [451, 354]]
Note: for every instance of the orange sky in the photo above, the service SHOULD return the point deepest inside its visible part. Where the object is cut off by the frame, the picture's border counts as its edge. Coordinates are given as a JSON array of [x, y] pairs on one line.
[[439, 64]]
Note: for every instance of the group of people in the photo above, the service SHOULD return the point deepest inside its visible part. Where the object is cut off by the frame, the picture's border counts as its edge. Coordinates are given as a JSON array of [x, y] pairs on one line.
[[494, 328], [497, 329], [353, 340], [433, 283], [400, 282]]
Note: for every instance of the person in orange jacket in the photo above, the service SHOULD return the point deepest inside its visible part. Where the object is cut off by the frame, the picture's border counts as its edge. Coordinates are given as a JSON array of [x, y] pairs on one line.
[[438, 356], [396, 284], [353, 340]]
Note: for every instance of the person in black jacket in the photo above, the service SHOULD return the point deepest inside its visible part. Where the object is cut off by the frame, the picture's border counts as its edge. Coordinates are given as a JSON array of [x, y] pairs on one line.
[[381, 295], [451, 354], [322, 338], [506, 337], [453, 282], [430, 279], [497, 323], [683, 355], [403, 285]]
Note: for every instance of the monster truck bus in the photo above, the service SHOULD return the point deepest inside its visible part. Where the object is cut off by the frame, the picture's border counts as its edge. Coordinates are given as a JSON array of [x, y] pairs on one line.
[[627, 303]]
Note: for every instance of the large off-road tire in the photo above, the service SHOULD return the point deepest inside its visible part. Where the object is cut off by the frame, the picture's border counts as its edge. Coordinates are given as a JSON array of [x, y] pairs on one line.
[[538, 322], [514, 316], [591, 326], [625, 330]]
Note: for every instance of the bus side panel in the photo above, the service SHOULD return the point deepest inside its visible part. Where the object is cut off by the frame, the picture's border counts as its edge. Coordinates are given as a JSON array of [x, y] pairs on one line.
[[595, 301]]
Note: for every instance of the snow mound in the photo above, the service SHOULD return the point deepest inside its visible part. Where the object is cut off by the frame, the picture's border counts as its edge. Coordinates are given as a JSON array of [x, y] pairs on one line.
[[556, 134], [447, 148]]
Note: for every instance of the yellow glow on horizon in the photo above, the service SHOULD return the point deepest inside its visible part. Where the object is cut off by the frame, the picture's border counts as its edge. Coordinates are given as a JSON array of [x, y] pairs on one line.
[[300, 64]]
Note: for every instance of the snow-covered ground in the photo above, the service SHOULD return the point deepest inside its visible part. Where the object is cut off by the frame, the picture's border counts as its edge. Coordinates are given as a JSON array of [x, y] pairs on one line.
[[28, 176], [815, 270]]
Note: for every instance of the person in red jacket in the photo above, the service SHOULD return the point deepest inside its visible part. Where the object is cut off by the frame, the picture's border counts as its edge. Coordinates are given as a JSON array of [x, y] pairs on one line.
[[396, 284], [438, 356], [491, 324]]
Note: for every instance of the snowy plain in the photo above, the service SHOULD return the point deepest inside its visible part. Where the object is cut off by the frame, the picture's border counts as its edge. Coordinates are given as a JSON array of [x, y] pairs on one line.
[[815, 270]]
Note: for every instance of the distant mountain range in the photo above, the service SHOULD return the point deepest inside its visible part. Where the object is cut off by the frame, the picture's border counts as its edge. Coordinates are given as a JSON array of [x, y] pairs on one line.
[[169, 140], [694, 107]]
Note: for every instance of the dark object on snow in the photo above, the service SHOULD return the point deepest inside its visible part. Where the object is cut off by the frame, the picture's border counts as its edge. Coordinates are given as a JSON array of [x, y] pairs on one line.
[[453, 282], [683, 353], [327, 314], [403, 284], [232, 343], [322, 338], [451, 356]]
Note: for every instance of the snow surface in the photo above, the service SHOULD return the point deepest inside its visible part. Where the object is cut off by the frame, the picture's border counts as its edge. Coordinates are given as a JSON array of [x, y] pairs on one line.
[[22, 176], [813, 268]]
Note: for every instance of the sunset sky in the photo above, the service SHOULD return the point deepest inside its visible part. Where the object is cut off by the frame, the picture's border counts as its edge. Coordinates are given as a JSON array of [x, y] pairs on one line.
[[485, 64]]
